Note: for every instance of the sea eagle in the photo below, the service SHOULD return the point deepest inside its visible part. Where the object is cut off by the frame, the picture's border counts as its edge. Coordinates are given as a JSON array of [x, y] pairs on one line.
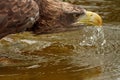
[[42, 16]]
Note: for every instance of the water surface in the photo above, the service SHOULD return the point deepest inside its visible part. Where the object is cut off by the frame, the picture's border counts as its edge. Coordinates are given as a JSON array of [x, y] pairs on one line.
[[84, 54]]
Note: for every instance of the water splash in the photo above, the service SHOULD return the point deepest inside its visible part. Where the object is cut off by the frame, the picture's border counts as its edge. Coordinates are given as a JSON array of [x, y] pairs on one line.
[[93, 36]]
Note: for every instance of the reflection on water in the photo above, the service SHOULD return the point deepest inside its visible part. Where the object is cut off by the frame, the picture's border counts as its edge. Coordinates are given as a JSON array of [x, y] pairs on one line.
[[86, 54]]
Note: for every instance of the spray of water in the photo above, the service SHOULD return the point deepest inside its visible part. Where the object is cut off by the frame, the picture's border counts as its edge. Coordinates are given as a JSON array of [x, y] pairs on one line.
[[93, 36]]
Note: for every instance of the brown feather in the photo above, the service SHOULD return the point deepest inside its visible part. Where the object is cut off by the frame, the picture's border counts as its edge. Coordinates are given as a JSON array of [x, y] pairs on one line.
[[48, 15], [56, 16], [17, 15]]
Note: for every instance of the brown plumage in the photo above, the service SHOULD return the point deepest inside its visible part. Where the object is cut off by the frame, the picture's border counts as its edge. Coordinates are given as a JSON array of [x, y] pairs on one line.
[[56, 16], [39, 16], [17, 15]]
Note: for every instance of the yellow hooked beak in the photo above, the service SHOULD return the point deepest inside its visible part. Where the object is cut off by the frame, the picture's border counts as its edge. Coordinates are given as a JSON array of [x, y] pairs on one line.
[[90, 18]]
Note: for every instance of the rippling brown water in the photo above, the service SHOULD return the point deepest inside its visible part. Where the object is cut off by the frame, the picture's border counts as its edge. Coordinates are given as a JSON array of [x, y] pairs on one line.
[[60, 56]]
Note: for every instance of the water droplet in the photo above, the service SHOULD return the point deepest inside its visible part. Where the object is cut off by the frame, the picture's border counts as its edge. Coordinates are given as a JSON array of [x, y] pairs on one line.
[[93, 36]]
